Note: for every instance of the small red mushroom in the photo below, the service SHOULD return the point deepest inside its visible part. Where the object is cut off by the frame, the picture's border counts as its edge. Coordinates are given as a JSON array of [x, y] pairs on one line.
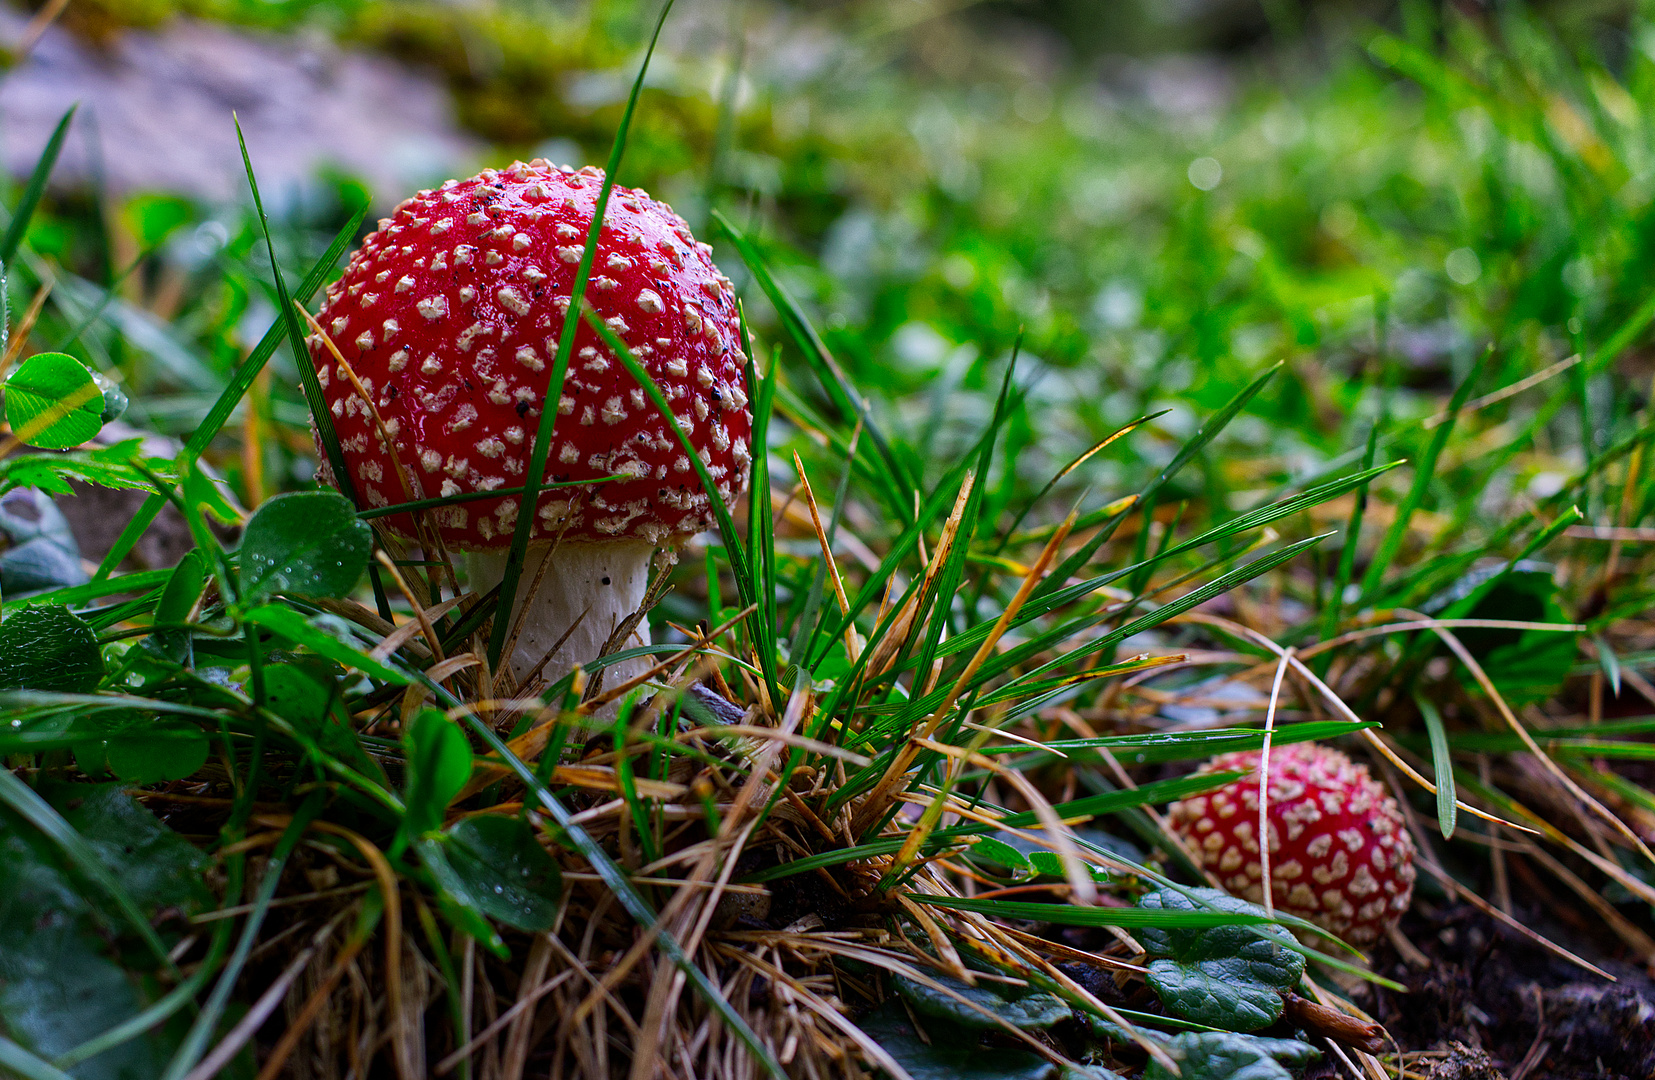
[[449, 317], [1340, 853]]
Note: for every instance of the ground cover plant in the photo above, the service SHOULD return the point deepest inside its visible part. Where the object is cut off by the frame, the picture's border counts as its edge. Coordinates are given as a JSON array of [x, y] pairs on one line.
[[1098, 445]]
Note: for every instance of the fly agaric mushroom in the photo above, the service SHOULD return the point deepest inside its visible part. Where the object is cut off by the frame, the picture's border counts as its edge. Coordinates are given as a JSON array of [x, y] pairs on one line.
[[449, 319], [1340, 854]]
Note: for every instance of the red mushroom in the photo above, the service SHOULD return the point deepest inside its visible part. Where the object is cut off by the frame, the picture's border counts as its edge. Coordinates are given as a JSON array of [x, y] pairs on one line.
[[1340, 854], [449, 318]]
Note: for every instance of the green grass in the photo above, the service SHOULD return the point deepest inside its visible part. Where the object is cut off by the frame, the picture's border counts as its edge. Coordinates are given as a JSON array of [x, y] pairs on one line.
[[1218, 411]]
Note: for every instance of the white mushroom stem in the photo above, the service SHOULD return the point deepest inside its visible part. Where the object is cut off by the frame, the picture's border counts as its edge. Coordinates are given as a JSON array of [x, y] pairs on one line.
[[605, 582]]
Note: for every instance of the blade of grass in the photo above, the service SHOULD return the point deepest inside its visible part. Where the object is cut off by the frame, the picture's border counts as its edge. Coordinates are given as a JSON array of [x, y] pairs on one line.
[[35, 188], [320, 416], [1424, 472], [18, 1060], [1069, 915], [1347, 555], [1091, 806], [1442, 763], [1192, 446], [746, 584], [761, 525], [542, 448], [850, 404]]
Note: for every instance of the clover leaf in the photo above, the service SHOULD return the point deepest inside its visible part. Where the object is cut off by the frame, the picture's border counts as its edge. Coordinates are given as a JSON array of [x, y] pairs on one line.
[[1225, 1055], [1228, 977]]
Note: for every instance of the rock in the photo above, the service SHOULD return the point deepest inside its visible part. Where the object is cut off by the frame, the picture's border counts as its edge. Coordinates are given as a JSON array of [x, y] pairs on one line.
[[37, 547], [1465, 1063], [156, 112]]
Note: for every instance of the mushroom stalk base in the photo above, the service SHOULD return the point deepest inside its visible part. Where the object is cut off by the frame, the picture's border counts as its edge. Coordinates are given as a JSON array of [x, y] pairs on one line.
[[605, 582]]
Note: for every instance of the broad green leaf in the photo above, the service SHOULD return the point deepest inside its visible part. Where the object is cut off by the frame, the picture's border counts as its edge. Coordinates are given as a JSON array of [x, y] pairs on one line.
[[495, 864], [158, 868], [57, 986], [153, 218], [439, 764], [141, 749], [1017, 1006], [1225, 1055], [953, 1053], [49, 648], [305, 543], [301, 696], [53, 402], [459, 914], [60, 982], [1228, 977], [138, 760]]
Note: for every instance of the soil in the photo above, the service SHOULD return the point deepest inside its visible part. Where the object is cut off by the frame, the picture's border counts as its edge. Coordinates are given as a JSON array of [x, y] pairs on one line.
[[1492, 998]]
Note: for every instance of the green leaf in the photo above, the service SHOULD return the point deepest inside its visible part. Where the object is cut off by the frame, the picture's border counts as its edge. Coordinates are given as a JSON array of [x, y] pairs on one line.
[[1017, 1006], [135, 745], [1223, 976], [182, 589], [460, 915], [178, 597], [495, 865], [305, 543], [325, 635], [952, 1053], [57, 988], [105, 466], [60, 984], [1000, 853], [49, 648], [301, 695], [1442, 762], [1224, 1055], [439, 764], [158, 868], [52, 402], [143, 759]]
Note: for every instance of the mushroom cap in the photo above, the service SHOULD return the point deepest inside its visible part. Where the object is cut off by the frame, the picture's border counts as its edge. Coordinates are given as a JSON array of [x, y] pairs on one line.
[[449, 316], [1340, 853]]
